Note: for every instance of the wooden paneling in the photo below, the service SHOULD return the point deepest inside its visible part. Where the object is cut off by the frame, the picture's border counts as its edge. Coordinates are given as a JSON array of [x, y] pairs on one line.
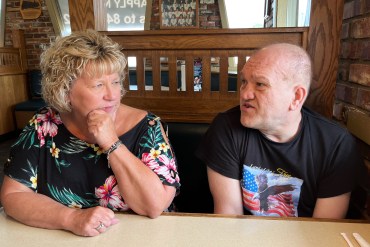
[[13, 90], [81, 14], [323, 46], [13, 81]]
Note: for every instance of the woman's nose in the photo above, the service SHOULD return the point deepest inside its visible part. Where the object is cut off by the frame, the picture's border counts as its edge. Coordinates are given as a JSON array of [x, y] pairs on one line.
[[111, 92]]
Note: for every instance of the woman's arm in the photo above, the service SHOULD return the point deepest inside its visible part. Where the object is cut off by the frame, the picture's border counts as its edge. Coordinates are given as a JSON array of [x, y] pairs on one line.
[[38, 210], [140, 186]]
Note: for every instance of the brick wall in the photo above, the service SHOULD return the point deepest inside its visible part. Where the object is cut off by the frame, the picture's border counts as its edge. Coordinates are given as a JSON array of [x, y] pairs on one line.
[[38, 32], [353, 83]]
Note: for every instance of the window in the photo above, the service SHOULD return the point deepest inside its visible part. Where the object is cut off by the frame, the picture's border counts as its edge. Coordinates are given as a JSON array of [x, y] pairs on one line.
[[264, 13], [116, 15], [242, 14]]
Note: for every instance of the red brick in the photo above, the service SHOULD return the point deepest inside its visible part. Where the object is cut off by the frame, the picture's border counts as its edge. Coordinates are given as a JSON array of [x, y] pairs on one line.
[[358, 7], [346, 93], [348, 10], [345, 49], [361, 28], [343, 70], [355, 49], [345, 31], [367, 6], [365, 50], [360, 73], [363, 98]]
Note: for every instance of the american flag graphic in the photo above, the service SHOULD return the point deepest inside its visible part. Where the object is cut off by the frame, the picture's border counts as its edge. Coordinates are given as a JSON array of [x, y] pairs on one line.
[[279, 204]]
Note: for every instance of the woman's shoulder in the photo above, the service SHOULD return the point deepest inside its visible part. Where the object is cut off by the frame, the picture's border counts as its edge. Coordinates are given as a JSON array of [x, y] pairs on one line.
[[128, 117]]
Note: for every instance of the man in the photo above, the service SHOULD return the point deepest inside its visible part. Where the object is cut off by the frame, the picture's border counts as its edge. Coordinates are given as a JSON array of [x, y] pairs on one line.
[[273, 157]]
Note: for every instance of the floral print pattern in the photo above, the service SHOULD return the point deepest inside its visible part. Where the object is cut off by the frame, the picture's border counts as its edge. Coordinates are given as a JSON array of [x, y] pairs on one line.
[[48, 159], [109, 195]]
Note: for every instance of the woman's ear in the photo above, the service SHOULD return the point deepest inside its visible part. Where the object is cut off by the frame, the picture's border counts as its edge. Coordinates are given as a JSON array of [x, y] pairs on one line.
[[300, 94]]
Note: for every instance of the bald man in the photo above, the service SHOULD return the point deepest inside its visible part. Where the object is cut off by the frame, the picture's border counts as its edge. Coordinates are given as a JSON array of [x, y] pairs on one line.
[[270, 156]]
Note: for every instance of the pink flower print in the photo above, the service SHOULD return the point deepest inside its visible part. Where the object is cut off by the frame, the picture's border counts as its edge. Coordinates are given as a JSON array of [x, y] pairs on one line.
[[40, 136], [49, 122], [108, 193], [168, 170], [149, 161]]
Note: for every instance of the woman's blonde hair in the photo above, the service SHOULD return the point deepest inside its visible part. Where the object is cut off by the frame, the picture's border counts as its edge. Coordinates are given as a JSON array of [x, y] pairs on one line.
[[67, 58]]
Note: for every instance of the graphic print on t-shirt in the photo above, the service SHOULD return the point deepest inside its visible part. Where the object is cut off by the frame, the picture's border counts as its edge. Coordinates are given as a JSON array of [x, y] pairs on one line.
[[268, 194]]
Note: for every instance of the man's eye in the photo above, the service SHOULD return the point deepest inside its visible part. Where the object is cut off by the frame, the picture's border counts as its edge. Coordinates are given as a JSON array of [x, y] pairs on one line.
[[259, 84]]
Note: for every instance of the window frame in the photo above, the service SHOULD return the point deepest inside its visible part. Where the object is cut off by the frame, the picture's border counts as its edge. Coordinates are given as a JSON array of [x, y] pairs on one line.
[[2, 19], [99, 12]]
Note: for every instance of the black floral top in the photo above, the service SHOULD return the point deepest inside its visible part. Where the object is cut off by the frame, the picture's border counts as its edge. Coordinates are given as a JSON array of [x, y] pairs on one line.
[[50, 160]]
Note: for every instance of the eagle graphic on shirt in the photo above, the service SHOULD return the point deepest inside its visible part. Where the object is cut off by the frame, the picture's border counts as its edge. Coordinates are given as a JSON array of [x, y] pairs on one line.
[[268, 194]]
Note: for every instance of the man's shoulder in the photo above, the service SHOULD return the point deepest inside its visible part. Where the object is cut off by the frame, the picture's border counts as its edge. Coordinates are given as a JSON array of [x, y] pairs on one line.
[[233, 112], [230, 116], [321, 123]]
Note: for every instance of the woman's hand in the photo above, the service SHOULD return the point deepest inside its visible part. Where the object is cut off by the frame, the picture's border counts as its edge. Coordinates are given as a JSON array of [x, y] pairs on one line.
[[91, 222], [101, 126]]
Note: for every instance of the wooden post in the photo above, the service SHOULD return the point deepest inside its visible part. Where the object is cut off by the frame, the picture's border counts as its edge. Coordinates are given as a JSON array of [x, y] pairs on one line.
[[81, 14], [19, 42], [323, 47]]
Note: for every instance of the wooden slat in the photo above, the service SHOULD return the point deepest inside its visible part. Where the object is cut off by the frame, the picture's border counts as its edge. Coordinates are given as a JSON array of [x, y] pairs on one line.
[[211, 39]]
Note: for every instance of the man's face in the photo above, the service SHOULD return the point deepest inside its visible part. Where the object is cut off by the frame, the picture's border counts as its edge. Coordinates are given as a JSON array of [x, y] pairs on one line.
[[265, 96]]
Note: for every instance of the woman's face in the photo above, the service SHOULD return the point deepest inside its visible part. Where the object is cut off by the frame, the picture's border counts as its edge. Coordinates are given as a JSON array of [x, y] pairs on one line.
[[88, 94]]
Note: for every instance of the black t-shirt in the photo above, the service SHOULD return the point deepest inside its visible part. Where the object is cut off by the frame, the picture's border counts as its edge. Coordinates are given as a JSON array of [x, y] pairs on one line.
[[283, 179]]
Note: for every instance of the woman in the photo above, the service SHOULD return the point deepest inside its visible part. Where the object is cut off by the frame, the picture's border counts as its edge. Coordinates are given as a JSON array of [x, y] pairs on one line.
[[87, 155]]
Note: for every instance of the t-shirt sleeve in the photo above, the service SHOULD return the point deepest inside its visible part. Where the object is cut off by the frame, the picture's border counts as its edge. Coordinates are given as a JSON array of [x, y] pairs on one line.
[[345, 171], [22, 164], [157, 154], [219, 149]]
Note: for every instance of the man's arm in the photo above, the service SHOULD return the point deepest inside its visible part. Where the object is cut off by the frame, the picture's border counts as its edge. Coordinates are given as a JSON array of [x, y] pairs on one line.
[[333, 207], [226, 192]]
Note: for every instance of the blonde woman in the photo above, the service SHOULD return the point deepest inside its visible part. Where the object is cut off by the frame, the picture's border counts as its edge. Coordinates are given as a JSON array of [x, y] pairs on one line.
[[87, 155]]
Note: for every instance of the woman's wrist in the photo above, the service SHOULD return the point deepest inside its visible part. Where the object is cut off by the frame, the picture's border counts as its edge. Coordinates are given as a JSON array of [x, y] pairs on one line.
[[112, 148]]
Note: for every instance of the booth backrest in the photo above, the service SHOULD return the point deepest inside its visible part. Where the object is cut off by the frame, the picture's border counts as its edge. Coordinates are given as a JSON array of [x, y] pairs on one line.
[[194, 196]]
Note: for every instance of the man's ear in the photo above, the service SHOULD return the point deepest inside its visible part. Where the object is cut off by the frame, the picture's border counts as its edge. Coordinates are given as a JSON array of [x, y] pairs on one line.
[[300, 94]]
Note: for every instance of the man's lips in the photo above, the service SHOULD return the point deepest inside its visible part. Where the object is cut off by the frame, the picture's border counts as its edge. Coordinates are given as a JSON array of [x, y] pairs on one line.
[[247, 105]]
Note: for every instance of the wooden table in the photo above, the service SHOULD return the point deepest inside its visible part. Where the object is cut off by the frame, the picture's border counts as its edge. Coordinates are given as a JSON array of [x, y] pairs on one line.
[[191, 230]]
